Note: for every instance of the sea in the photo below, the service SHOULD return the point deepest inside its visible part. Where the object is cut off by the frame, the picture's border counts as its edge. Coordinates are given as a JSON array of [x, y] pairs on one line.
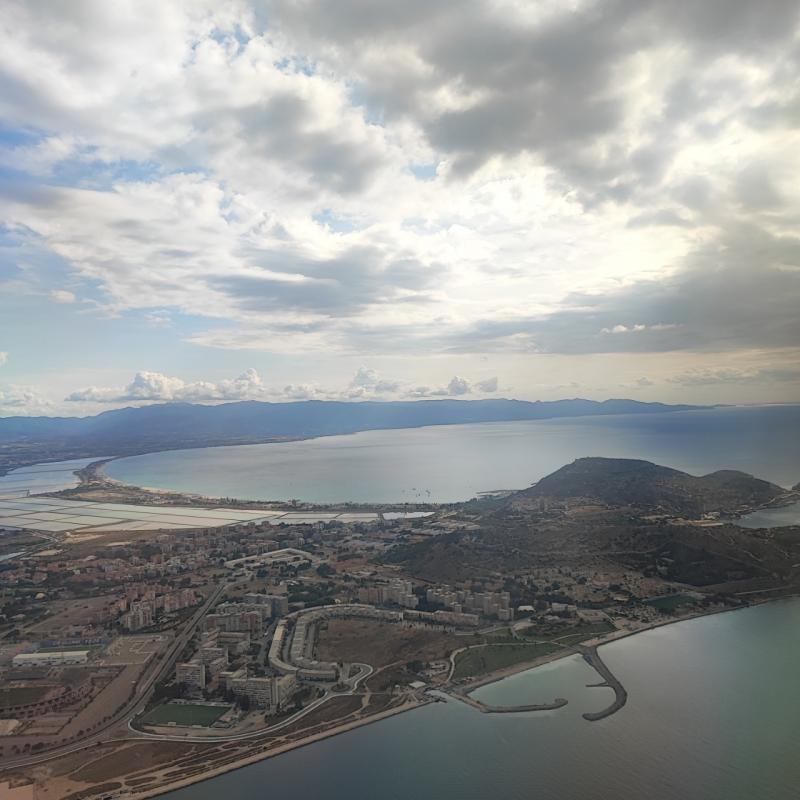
[[713, 713], [713, 708], [452, 463]]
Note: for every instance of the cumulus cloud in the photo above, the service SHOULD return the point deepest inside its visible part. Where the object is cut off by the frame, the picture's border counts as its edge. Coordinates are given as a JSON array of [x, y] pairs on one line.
[[367, 381], [18, 400], [366, 384], [417, 178], [301, 391], [458, 386], [3, 357], [154, 386]]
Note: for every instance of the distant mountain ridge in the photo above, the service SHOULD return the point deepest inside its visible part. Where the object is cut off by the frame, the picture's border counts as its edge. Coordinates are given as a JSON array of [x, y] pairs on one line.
[[175, 425], [308, 417], [641, 484]]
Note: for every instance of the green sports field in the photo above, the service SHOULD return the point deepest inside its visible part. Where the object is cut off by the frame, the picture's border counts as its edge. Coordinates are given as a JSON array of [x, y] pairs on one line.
[[184, 714]]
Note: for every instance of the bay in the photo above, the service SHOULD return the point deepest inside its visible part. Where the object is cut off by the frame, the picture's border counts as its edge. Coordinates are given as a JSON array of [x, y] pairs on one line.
[[452, 463], [772, 517]]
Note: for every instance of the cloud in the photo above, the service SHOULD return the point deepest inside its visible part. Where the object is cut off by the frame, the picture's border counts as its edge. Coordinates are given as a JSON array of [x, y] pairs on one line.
[[366, 384], [340, 285], [458, 386], [301, 391], [18, 400], [419, 178], [158, 319], [3, 357], [154, 386], [62, 296], [740, 290], [733, 375], [485, 82], [367, 381]]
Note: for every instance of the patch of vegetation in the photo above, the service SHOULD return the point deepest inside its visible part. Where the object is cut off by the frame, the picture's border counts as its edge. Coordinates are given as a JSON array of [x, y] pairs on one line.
[[670, 602], [22, 695], [567, 636], [482, 660]]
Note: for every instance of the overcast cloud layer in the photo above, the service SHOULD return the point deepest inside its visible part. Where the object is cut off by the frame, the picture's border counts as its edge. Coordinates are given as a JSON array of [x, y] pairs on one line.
[[439, 198]]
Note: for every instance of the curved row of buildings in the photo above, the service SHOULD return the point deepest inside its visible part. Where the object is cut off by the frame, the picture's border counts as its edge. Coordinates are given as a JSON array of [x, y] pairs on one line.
[[294, 640]]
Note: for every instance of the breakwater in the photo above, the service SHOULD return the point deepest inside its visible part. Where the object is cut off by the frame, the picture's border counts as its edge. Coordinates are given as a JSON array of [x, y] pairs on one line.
[[610, 680], [486, 708]]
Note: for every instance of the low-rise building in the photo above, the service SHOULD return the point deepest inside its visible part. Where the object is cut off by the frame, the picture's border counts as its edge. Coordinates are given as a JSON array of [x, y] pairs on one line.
[[50, 659]]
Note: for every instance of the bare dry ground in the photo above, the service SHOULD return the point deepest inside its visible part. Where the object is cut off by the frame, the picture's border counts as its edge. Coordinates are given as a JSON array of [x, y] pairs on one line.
[[144, 766], [67, 613], [379, 644]]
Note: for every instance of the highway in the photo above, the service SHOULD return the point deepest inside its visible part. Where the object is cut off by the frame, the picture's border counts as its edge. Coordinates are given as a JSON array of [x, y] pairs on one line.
[[161, 665]]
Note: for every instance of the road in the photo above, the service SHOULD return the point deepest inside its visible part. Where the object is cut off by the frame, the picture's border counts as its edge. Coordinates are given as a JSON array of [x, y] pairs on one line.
[[132, 707], [365, 670]]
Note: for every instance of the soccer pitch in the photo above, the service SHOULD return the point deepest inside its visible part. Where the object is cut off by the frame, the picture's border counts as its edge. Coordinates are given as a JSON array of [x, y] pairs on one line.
[[186, 714]]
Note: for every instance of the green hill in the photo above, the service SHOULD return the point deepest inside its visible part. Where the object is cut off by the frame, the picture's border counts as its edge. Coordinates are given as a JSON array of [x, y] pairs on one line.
[[641, 484]]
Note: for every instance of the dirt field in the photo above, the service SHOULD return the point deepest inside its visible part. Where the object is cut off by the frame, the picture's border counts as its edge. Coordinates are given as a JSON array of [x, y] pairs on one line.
[[67, 613], [379, 644]]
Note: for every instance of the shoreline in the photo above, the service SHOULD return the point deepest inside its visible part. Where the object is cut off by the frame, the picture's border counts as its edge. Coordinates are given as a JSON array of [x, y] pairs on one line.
[[668, 409], [610, 638], [483, 681], [94, 476], [183, 783], [410, 705]]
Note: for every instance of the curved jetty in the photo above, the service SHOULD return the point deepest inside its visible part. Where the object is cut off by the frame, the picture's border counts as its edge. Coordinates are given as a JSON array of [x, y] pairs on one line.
[[591, 656], [490, 709]]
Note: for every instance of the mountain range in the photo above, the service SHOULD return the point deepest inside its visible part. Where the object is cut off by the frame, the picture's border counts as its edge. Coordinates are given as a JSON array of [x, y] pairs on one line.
[[177, 425]]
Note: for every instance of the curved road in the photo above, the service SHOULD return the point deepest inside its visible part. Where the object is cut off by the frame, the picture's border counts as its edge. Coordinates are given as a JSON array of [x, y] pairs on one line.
[[136, 703]]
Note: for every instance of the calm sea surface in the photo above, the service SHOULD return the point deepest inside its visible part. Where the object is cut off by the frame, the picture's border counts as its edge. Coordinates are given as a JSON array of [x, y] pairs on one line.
[[454, 462], [713, 713], [42, 478], [772, 517]]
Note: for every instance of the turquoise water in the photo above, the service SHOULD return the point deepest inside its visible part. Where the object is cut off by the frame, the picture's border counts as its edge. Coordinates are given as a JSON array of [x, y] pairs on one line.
[[454, 462], [713, 713]]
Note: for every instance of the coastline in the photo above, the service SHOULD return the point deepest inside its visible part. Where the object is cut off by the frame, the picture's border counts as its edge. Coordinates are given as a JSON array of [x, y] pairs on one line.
[[93, 476], [467, 688], [667, 409], [600, 641], [223, 769], [409, 705]]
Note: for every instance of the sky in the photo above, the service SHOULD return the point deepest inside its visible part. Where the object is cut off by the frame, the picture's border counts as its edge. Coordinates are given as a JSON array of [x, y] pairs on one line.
[[294, 199]]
